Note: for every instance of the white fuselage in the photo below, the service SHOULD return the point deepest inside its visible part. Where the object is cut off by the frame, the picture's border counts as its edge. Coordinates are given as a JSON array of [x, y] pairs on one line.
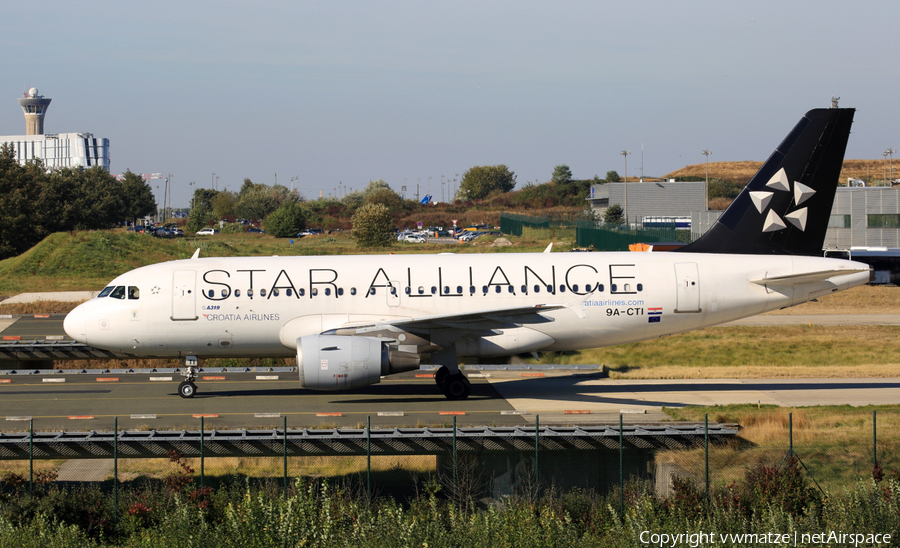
[[260, 306]]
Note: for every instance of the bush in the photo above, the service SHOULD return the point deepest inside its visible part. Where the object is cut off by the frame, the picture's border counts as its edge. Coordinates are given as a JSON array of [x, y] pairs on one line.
[[286, 221], [373, 226]]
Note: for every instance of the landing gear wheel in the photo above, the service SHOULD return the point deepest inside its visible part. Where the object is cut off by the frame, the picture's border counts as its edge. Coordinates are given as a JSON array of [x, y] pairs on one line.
[[187, 389], [441, 375], [456, 387]]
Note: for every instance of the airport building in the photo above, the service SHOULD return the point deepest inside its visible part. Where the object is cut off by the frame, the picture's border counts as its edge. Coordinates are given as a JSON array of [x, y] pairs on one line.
[[55, 150], [860, 216]]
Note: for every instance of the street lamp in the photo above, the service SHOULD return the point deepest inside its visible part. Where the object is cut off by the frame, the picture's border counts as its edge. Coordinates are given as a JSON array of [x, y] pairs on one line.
[[625, 154], [891, 152], [294, 178], [706, 152]]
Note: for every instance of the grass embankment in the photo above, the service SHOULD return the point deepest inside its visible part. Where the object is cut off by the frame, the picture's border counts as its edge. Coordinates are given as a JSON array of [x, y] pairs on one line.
[[88, 260], [742, 172], [834, 442]]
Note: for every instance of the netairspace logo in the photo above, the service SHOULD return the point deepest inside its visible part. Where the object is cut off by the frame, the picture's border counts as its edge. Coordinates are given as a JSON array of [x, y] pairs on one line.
[[694, 540]]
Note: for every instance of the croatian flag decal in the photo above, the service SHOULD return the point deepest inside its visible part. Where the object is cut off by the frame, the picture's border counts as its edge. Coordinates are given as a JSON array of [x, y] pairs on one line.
[[655, 314]]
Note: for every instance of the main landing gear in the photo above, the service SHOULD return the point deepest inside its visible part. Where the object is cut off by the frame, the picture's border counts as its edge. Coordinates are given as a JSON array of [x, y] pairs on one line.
[[187, 388], [454, 385]]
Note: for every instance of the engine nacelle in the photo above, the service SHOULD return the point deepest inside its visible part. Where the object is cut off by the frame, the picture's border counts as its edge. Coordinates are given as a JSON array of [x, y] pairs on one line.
[[337, 362]]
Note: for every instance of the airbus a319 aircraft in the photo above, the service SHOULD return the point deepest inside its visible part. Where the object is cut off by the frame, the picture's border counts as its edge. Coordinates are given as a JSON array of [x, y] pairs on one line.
[[350, 320]]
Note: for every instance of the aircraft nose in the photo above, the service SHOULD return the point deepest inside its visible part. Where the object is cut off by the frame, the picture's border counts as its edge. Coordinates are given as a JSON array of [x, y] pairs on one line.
[[75, 324]]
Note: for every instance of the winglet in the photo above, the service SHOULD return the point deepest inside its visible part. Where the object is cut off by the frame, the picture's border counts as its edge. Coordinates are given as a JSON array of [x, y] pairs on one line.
[[548, 248], [196, 254]]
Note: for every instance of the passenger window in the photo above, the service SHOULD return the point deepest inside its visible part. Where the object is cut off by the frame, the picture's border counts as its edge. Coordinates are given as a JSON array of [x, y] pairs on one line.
[[301, 292], [327, 291], [524, 289], [250, 293], [224, 293], [497, 289], [237, 292], [262, 292], [393, 290], [484, 289], [314, 291], [459, 289], [511, 289], [134, 293], [353, 291], [549, 289], [446, 290], [471, 290], [421, 290], [408, 290], [562, 289], [627, 287], [600, 288], [372, 291], [640, 287], [575, 288], [106, 291], [433, 290], [613, 288], [340, 291], [118, 292], [537, 288], [275, 292]]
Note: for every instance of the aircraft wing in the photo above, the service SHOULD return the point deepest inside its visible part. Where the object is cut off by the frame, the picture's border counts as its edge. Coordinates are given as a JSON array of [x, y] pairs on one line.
[[806, 277], [470, 321]]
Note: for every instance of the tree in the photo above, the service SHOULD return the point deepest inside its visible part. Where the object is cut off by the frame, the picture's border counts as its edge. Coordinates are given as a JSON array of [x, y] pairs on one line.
[[373, 226], [614, 214], [286, 221], [385, 197], [562, 175], [482, 181], [612, 177], [201, 209], [374, 185], [137, 197]]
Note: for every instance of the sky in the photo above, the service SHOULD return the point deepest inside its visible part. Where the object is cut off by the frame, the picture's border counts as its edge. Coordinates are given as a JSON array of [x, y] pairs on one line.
[[326, 96]]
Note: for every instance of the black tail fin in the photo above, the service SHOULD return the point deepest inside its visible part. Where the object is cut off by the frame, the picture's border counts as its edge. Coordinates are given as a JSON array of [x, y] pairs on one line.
[[785, 207]]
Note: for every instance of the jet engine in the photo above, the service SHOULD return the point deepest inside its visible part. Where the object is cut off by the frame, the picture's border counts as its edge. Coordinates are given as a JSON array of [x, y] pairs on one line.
[[341, 362]]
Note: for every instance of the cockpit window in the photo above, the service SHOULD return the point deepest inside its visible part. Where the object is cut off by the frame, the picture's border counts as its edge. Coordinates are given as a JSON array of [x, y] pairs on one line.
[[106, 291], [134, 293], [118, 292]]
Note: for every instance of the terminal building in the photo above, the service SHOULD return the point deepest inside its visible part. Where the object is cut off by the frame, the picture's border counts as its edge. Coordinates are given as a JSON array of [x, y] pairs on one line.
[[55, 150]]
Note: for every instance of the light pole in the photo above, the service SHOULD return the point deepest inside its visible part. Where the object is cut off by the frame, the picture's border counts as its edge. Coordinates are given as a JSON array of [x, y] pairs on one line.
[[192, 193], [625, 154], [884, 166], [891, 152], [294, 178], [442, 188], [706, 152]]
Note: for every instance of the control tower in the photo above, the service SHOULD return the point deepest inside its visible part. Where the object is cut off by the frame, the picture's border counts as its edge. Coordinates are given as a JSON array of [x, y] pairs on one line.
[[35, 106]]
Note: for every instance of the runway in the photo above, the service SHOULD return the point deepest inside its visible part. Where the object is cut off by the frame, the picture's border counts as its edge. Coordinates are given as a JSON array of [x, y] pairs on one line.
[[91, 402]]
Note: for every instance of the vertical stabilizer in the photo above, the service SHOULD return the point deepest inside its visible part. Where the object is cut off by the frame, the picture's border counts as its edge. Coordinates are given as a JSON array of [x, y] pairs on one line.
[[785, 207]]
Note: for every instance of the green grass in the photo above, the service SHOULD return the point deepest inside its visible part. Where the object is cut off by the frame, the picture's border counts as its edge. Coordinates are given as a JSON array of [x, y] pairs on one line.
[[88, 260]]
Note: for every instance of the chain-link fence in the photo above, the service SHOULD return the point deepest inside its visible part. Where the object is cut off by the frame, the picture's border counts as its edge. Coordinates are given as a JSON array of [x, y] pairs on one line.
[[593, 234], [531, 463]]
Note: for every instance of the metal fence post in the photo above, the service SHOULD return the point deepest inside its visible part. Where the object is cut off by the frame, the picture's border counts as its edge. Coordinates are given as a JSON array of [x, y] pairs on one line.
[[706, 449], [874, 438], [537, 449], [455, 486], [284, 453], [369, 457], [791, 434], [31, 456], [116, 470], [621, 471], [201, 453]]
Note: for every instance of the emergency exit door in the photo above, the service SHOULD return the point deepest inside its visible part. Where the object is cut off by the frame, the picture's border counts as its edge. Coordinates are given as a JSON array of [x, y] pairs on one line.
[[688, 288], [184, 295]]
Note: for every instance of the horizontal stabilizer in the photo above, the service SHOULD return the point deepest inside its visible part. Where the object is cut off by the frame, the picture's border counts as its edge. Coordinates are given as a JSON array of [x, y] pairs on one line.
[[806, 277]]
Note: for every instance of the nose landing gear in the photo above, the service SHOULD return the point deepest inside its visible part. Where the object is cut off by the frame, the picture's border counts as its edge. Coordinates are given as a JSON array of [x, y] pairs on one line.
[[187, 388]]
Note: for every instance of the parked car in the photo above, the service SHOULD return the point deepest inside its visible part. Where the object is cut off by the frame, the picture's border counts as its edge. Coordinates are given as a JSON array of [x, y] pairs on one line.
[[207, 231], [413, 238], [255, 230]]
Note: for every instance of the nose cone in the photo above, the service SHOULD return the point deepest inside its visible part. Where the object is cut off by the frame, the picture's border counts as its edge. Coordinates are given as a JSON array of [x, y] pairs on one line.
[[75, 325]]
